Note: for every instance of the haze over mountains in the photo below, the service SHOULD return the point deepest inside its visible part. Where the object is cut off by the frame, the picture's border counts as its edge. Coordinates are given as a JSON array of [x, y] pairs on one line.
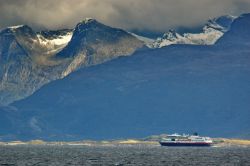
[[190, 86]]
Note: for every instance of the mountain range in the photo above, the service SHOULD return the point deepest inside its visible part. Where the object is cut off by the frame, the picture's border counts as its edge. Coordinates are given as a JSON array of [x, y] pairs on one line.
[[53, 54], [105, 83]]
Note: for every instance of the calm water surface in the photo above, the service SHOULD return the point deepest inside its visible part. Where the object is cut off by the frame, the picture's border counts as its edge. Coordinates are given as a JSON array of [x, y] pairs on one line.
[[122, 155]]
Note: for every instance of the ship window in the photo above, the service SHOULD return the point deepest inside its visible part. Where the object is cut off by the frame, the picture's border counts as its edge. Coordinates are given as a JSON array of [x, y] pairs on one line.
[[172, 139]]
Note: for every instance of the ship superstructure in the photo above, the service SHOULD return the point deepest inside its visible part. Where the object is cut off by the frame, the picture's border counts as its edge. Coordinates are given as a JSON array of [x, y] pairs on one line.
[[186, 140]]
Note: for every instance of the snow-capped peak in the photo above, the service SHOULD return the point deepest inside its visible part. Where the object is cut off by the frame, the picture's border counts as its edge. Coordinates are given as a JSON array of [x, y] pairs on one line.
[[212, 31], [85, 24]]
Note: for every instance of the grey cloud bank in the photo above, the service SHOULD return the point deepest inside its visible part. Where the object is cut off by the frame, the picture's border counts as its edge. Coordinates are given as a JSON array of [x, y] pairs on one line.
[[154, 15]]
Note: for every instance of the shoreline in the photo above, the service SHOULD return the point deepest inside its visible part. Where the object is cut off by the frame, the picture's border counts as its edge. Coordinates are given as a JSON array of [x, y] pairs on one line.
[[218, 142]]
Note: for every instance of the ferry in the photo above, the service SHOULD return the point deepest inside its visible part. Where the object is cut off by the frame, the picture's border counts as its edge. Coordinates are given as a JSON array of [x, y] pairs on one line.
[[186, 140]]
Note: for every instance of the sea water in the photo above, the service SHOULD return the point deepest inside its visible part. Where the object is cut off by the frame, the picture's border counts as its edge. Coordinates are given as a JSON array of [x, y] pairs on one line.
[[45, 155]]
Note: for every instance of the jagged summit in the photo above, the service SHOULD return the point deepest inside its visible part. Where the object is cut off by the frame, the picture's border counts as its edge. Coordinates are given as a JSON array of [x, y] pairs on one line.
[[87, 25], [170, 35], [87, 20]]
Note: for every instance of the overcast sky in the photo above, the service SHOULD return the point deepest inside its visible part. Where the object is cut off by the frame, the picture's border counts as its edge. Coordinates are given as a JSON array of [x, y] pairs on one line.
[[155, 15]]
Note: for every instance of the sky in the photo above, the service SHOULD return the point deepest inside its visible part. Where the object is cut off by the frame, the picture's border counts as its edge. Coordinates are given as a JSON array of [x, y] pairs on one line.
[[152, 15]]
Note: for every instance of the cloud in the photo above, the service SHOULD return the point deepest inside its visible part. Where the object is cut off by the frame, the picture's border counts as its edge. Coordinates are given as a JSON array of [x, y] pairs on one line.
[[156, 15]]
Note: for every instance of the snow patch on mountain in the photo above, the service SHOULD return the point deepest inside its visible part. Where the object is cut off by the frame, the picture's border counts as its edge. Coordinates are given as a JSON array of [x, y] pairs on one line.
[[59, 41], [16, 26], [208, 37]]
